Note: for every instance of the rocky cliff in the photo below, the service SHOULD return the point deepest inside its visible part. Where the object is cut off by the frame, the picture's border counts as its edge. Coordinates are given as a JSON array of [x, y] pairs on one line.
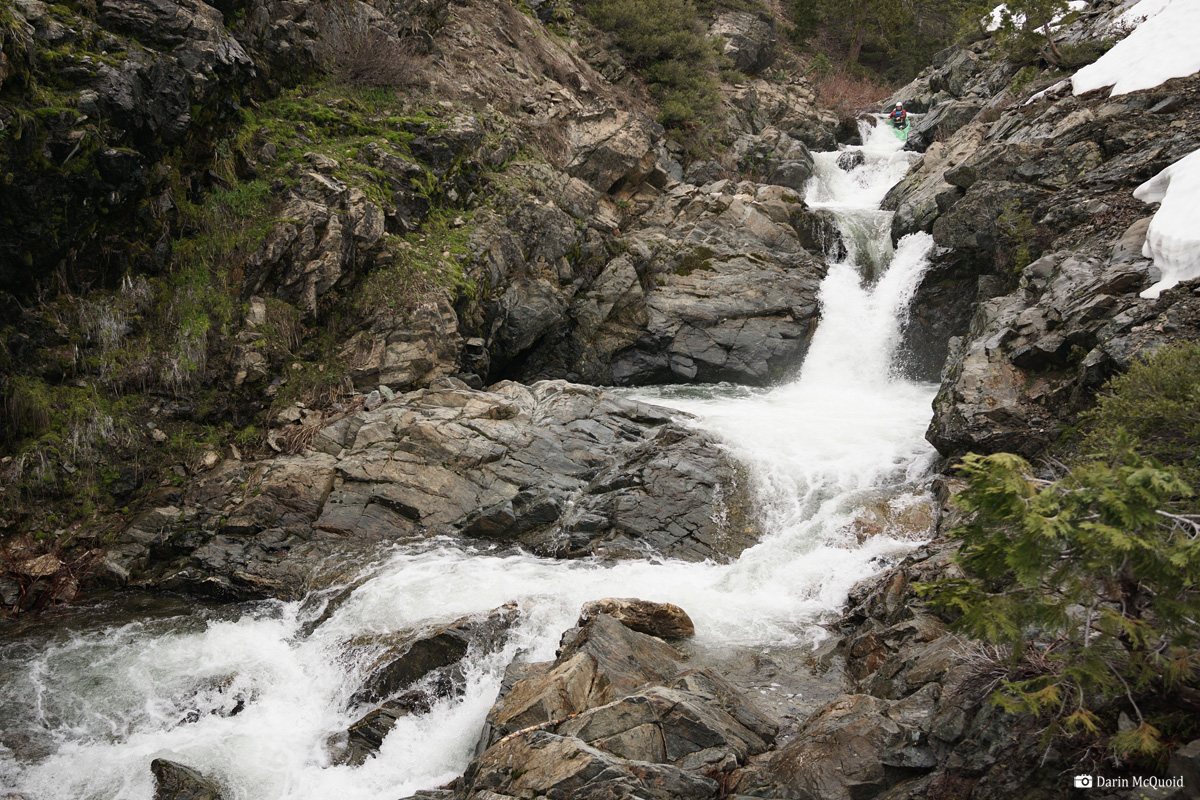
[[1036, 300], [222, 222]]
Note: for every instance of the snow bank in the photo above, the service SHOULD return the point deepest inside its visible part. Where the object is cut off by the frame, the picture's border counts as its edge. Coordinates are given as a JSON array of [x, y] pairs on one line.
[[1161, 48], [1139, 13], [1173, 240]]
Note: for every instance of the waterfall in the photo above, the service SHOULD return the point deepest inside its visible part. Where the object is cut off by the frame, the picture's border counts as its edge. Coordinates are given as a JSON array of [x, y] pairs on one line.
[[249, 694]]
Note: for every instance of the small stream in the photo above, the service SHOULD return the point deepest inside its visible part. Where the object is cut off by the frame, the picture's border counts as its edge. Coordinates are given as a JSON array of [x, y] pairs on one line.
[[249, 694]]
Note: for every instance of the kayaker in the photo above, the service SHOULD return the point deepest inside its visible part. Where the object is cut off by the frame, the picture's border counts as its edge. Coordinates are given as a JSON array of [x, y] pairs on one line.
[[899, 117]]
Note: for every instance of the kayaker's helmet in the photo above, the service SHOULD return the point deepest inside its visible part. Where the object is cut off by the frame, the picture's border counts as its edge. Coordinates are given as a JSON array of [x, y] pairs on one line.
[[900, 106]]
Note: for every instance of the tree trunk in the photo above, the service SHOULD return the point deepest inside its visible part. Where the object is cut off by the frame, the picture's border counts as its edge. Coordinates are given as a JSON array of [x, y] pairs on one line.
[[856, 43], [1053, 46]]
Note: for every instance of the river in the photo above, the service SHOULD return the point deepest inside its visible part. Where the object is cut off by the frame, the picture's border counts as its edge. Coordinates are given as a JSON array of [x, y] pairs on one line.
[[249, 694]]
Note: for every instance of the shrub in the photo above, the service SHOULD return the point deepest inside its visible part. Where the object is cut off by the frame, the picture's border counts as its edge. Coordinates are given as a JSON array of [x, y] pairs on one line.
[[848, 94], [360, 53], [1156, 405], [1097, 574], [1095, 571], [666, 42]]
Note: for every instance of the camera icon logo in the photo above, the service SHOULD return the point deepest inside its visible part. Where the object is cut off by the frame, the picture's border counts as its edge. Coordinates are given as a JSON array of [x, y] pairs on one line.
[[1083, 781]]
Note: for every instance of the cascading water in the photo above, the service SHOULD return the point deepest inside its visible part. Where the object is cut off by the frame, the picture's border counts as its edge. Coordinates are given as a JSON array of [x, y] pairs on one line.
[[249, 695]]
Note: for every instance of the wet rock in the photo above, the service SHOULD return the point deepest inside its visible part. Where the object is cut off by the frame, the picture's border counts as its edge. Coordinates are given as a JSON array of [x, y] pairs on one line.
[[817, 231], [665, 726], [561, 469], [403, 665], [174, 781], [664, 620], [915, 197], [850, 159], [363, 739], [598, 663]]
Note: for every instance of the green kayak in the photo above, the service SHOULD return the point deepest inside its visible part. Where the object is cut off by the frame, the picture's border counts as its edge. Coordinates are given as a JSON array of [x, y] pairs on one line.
[[902, 131]]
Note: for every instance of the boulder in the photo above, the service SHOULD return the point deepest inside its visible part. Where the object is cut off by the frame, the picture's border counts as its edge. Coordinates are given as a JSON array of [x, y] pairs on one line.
[[664, 620], [599, 662], [613, 716], [174, 781], [402, 665], [774, 157], [942, 122], [716, 286], [850, 749], [363, 739], [758, 104], [955, 75], [611, 149], [921, 196], [990, 213], [407, 352], [1032, 356], [541, 764], [666, 726], [748, 40]]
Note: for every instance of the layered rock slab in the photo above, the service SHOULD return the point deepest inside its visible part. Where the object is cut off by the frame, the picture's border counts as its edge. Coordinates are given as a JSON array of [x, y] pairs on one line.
[[559, 469]]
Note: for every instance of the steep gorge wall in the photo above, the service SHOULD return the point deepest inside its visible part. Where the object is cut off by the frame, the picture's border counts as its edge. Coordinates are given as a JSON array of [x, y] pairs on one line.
[[1035, 302]]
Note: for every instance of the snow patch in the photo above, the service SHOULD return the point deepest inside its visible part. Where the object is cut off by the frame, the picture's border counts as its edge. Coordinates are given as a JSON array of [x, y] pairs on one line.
[[1048, 91], [1161, 48], [1173, 239], [1000, 13]]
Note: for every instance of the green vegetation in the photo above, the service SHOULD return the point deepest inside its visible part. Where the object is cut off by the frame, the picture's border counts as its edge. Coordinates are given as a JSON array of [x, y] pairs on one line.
[[430, 258], [1018, 246], [1092, 581], [1025, 28], [666, 42], [893, 38], [699, 258], [1156, 406]]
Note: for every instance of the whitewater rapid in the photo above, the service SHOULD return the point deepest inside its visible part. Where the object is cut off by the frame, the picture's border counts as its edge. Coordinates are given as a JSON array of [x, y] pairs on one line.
[[248, 695]]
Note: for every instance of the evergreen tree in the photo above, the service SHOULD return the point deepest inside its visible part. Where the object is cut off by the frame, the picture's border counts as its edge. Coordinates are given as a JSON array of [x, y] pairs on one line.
[[1024, 20], [1099, 570]]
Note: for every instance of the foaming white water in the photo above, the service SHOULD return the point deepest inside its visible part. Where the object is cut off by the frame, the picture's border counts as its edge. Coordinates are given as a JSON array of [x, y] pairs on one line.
[[250, 698], [854, 195]]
